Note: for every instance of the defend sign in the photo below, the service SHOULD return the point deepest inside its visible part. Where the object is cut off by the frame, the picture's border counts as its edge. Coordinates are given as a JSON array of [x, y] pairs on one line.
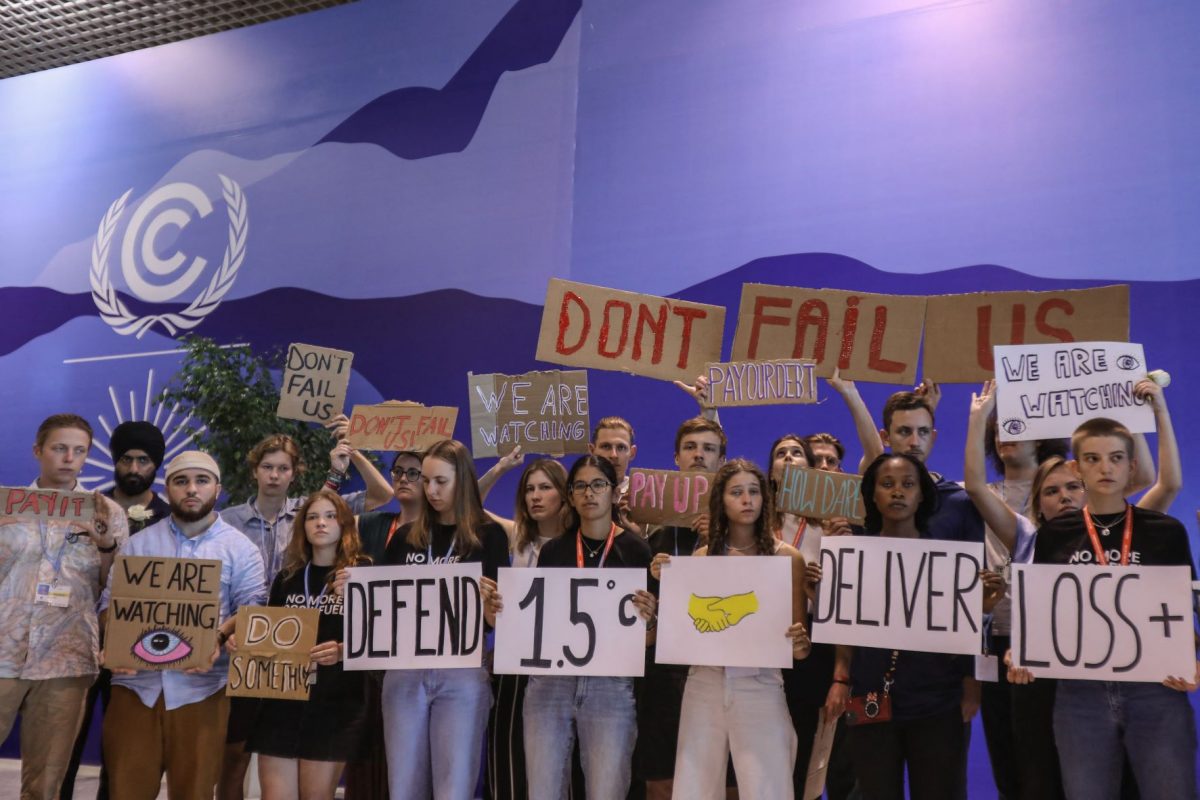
[[1103, 623], [162, 612], [426, 617], [869, 337], [590, 326], [397, 425], [570, 622], [908, 594], [543, 412], [1044, 391], [48, 504], [726, 612]]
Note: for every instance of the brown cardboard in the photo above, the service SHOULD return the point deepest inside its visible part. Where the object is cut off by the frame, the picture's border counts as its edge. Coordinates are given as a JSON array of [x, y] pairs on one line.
[[783, 381], [400, 425], [25, 502], [668, 497], [870, 337], [272, 655], [591, 326], [315, 380], [817, 494], [961, 329], [160, 607], [543, 412]]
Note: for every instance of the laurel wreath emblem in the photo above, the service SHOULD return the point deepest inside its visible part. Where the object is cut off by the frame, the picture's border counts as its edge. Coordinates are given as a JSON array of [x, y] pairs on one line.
[[114, 311]]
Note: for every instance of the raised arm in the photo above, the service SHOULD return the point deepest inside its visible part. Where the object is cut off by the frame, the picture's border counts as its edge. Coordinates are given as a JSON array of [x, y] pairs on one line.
[[1170, 470], [379, 488], [699, 393], [995, 512], [864, 426], [505, 463]]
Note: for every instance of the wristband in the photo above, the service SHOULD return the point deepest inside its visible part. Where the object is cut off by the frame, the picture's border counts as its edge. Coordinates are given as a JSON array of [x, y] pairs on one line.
[[843, 681], [112, 548]]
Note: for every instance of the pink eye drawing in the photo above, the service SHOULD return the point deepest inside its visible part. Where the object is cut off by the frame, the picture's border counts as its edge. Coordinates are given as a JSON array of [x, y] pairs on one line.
[[160, 646]]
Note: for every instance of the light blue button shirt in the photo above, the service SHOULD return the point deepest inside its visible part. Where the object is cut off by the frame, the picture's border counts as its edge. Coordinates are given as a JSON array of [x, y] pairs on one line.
[[242, 584], [272, 537]]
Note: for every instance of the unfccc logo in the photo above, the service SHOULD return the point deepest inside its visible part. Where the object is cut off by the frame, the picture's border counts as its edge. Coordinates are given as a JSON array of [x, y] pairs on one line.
[[173, 275]]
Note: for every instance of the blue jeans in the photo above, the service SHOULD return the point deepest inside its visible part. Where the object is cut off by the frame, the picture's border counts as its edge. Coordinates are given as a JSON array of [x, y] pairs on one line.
[[1097, 723], [601, 711], [434, 721]]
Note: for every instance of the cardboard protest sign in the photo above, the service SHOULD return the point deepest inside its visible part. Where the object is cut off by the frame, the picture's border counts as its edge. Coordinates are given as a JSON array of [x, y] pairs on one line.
[[414, 617], [818, 494], [570, 622], [869, 337], [315, 380], [761, 383], [911, 594], [1103, 623], [543, 412], [272, 655], [725, 612], [818, 762], [400, 425], [162, 612], [24, 502], [962, 329], [591, 326], [1044, 391], [667, 497]]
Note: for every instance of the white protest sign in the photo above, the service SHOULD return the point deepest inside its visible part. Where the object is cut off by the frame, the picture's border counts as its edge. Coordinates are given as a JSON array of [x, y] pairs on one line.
[[909, 594], [414, 617], [725, 611], [1103, 623], [570, 622], [1044, 391]]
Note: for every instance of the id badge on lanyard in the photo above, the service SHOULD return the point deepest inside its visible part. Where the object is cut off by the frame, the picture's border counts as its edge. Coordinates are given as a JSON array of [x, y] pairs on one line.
[[48, 591]]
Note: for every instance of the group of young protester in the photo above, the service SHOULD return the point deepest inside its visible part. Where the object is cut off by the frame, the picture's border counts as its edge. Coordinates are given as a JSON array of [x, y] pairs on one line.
[[674, 733]]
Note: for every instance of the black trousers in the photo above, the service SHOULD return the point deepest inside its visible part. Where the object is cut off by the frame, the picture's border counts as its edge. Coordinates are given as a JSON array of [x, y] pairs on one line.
[[101, 690], [931, 748]]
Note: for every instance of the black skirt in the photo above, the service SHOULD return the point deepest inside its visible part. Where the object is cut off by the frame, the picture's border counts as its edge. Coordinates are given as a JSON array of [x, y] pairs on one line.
[[313, 731]]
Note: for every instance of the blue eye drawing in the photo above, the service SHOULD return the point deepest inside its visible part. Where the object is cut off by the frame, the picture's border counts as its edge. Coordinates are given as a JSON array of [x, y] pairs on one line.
[[1013, 427], [159, 646], [1128, 362]]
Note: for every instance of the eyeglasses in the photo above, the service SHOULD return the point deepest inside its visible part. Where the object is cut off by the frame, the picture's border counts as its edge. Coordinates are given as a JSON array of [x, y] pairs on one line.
[[597, 486], [412, 474]]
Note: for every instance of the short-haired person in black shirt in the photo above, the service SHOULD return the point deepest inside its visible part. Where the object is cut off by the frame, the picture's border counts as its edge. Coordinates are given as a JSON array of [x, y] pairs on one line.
[[926, 733], [436, 718], [1098, 724], [599, 710]]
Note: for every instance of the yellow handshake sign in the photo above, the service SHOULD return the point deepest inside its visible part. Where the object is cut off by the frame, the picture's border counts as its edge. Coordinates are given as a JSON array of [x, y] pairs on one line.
[[712, 614]]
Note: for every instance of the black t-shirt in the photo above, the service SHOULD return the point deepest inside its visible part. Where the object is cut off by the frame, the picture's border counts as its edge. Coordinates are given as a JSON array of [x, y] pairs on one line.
[[333, 684], [492, 552], [373, 529], [628, 550], [674, 541], [1157, 541]]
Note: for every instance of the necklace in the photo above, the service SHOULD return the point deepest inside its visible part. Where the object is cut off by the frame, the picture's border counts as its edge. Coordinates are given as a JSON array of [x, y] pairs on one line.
[[593, 553], [750, 546], [1106, 526]]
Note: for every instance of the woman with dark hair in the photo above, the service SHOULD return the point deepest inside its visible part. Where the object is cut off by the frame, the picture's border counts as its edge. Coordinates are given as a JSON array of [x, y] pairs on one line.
[[303, 745], [599, 710], [435, 719], [740, 712], [926, 733], [539, 516]]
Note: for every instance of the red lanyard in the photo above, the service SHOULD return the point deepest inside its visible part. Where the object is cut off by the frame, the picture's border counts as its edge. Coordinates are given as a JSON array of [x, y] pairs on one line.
[[799, 537], [579, 546], [392, 530], [1126, 539]]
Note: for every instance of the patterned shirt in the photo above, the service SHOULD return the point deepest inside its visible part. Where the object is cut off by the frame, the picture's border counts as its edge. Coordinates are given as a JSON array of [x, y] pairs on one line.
[[242, 584], [39, 640]]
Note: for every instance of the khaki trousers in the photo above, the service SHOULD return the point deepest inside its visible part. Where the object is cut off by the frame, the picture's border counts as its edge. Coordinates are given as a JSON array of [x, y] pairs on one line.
[[51, 710], [140, 743]]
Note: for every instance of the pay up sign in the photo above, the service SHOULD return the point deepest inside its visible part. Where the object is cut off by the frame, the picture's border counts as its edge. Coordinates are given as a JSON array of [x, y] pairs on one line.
[[1103, 623], [910, 594], [272, 655], [47, 504], [570, 622], [414, 617], [665, 497], [590, 326], [1044, 391], [543, 412], [162, 612], [314, 383]]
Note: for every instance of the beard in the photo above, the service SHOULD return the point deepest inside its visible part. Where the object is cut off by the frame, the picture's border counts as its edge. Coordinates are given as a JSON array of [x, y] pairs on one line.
[[132, 484], [184, 515]]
